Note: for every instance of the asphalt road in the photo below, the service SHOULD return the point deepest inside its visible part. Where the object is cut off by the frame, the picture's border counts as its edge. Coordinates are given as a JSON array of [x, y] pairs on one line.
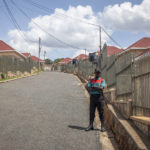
[[48, 111]]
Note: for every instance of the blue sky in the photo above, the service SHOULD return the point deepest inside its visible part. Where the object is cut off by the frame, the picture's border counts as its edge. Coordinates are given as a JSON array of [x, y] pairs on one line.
[[120, 18]]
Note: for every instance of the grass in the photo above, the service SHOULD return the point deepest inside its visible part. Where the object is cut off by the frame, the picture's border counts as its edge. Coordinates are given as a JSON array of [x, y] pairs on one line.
[[16, 77], [10, 78]]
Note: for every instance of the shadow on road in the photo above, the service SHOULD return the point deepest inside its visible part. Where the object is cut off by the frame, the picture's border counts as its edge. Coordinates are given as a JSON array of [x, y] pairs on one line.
[[79, 128]]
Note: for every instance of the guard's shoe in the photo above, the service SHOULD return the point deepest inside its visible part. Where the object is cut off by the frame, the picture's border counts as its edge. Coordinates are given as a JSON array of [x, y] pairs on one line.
[[103, 127], [90, 127]]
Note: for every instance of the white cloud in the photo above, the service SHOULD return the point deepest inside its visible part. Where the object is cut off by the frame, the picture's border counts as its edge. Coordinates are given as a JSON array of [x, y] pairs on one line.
[[69, 30], [134, 18]]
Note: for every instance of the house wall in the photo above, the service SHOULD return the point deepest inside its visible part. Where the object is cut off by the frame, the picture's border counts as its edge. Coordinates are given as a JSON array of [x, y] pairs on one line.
[[12, 54]]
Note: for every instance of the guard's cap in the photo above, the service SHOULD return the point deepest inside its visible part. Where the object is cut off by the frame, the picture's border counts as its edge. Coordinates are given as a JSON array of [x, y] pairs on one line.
[[97, 71]]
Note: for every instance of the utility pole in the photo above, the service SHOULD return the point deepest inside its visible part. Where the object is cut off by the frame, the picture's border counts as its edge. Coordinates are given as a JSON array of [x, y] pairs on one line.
[[100, 39], [39, 51], [85, 51], [44, 55]]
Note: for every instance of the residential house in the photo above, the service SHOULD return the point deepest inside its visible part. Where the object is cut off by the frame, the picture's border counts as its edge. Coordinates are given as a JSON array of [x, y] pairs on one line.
[[27, 55], [62, 63], [6, 50], [110, 50], [65, 61], [36, 59], [139, 47], [81, 57]]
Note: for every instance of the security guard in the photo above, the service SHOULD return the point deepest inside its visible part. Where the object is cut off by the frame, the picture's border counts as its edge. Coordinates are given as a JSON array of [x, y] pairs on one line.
[[95, 88]]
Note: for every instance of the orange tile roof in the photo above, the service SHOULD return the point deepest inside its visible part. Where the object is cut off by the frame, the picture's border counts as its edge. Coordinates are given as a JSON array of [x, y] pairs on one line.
[[36, 59], [26, 54], [65, 61], [81, 57], [111, 50], [142, 43], [4, 46]]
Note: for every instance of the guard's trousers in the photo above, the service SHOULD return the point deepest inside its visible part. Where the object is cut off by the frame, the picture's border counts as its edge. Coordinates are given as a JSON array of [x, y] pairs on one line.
[[96, 101]]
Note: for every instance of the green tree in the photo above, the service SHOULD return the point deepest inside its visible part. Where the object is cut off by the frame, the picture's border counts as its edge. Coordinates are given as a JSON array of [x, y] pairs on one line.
[[58, 60], [48, 61]]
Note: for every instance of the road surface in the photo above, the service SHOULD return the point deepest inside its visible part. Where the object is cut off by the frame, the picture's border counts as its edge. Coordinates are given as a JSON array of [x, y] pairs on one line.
[[48, 111]]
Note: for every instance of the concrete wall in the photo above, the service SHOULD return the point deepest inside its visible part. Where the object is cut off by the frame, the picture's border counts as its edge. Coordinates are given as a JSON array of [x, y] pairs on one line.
[[11, 66]]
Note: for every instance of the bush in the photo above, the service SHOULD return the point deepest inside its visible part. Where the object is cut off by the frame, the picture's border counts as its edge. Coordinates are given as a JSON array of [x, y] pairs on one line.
[[2, 76]]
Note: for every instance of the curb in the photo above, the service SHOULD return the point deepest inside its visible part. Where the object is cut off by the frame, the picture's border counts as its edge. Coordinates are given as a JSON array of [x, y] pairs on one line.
[[127, 136]]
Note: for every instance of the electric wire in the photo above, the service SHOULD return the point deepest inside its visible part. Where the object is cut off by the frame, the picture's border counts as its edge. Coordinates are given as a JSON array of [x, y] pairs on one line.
[[74, 18], [15, 23], [60, 14], [12, 18], [51, 35], [112, 38]]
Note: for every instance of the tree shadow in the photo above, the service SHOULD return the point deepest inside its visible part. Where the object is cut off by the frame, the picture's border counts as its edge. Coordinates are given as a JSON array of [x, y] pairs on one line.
[[79, 128]]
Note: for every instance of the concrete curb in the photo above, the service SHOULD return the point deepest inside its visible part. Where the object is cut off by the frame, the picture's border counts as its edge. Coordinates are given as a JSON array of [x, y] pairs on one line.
[[127, 136], [106, 138], [17, 78]]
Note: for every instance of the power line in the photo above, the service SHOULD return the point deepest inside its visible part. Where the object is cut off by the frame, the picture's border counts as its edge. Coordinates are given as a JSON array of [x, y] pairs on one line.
[[74, 18], [57, 13], [14, 22], [69, 45], [12, 18], [111, 38]]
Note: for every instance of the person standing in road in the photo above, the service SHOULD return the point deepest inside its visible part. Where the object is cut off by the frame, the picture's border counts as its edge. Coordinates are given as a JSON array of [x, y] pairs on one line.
[[95, 88]]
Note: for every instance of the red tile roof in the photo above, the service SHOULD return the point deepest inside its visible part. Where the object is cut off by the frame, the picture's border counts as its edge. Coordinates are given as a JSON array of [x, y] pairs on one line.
[[26, 54], [4, 46], [81, 57], [65, 61], [111, 50], [36, 59], [142, 43]]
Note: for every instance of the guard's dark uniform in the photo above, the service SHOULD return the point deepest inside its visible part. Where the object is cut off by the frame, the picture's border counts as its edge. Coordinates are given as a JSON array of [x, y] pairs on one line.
[[96, 99]]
